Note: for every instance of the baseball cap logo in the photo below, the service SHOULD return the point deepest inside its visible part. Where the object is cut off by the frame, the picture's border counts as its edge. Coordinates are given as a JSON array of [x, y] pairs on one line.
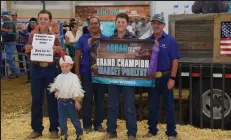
[[159, 17]]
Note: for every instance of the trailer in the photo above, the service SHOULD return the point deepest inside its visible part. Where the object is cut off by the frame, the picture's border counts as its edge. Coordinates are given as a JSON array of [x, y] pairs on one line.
[[205, 67]]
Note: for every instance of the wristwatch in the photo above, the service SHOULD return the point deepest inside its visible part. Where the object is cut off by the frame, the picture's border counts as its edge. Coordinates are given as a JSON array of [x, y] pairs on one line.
[[173, 78]]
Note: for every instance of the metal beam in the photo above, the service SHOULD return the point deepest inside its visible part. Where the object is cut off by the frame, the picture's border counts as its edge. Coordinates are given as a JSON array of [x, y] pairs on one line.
[[44, 5], [152, 8]]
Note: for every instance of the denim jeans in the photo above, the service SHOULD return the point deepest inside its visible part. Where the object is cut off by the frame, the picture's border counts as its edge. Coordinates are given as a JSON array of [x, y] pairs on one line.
[[154, 101], [41, 77], [9, 49], [97, 91], [129, 108], [68, 108]]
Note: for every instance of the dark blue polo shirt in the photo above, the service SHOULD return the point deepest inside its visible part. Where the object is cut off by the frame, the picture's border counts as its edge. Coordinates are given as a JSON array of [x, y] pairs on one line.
[[169, 51], [85, 61]]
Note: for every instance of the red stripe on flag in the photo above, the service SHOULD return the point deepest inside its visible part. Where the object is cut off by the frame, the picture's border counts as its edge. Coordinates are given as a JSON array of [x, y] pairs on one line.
[[225, 44], [225, 49], [225, 38]]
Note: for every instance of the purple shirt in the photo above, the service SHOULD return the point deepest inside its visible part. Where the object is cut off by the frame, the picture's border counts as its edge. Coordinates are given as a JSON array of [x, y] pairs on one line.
[[85, 60], [169, 51]]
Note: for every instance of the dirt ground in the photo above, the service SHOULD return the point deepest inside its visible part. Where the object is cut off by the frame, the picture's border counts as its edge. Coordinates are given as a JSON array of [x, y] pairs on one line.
[[15, 121], [15, 95]]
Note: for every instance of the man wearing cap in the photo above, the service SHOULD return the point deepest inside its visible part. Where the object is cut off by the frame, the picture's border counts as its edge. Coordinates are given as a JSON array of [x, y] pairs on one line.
[[7, 38], [143, 27], [167, 65]]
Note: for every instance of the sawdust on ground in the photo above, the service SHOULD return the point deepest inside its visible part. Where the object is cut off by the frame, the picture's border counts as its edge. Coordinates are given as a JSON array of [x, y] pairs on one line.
[[15, 121]]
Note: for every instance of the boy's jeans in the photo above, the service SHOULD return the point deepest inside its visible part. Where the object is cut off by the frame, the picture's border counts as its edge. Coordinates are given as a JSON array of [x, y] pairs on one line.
[[68, 108], [129, 109]]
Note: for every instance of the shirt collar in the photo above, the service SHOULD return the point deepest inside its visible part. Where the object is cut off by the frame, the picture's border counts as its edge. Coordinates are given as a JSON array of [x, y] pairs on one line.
[[163, 35], [101, 35], [38, 31], [127, 34]]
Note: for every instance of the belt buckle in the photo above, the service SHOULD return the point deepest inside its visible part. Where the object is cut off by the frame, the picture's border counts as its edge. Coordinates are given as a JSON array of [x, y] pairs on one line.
[[158, 74], [43, 64]]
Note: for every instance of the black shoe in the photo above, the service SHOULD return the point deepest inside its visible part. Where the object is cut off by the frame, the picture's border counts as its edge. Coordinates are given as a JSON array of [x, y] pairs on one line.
[[100, 129], [34, 135]]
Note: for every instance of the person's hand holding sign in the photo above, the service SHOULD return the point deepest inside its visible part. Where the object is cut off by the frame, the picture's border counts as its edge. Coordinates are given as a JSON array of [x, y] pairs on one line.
[[57, 48], [28, 49], [89, 41]]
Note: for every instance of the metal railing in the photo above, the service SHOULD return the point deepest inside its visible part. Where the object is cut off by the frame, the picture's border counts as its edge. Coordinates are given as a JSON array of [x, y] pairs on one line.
[[206, 72], [3, 66]]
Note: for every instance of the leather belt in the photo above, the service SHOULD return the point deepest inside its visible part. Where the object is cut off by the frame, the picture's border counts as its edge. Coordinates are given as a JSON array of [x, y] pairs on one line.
[[160, 74], [43, 64], [66, 99]]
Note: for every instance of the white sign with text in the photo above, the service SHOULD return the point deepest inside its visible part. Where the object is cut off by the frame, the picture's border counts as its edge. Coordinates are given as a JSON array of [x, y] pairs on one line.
[[42, 48]]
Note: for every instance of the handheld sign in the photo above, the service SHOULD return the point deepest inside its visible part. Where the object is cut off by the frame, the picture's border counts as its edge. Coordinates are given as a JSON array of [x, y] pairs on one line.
[[42, 48], [122, 62]]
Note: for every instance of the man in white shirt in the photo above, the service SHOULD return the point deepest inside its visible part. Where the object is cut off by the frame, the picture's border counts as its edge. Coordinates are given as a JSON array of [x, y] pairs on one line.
[[143, 28], [135, 25], [71, 37]]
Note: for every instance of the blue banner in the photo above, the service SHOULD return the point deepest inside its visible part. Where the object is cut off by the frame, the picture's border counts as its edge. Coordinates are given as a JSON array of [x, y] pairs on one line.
[[124, 82]]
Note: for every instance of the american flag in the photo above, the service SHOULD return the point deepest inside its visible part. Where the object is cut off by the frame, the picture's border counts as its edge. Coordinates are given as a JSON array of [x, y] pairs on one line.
[[225, 44]]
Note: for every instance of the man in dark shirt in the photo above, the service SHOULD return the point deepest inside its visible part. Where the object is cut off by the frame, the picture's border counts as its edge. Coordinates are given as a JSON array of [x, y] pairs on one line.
[[210, 7], [8, 38]]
